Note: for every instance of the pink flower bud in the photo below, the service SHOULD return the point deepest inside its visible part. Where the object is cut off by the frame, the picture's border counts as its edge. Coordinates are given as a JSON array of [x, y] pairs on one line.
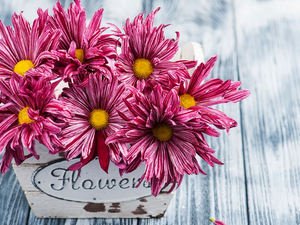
[[217, 222]]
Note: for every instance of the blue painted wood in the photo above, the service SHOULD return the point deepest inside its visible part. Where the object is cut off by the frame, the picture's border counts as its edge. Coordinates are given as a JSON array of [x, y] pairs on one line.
[[14, 207], [268, 50], [258, 43], [33, 220]]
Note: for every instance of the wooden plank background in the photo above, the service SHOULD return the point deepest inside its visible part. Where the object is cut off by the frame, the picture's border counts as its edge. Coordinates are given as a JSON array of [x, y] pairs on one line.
[[258, 42]]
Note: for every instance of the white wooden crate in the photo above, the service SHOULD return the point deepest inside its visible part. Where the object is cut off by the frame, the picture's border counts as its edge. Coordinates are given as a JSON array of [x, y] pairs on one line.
[[54, 192]]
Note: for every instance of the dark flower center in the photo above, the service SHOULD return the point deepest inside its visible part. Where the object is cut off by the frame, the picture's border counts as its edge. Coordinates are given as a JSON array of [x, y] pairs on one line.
[[162, 132]]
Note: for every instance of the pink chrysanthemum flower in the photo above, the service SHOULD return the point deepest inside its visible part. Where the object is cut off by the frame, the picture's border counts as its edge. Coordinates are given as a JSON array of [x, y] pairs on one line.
[[166, 138], [26, 115], [82, 48], [95, 119], [146, 55], [217, 222], [27, 48], [198, 95]]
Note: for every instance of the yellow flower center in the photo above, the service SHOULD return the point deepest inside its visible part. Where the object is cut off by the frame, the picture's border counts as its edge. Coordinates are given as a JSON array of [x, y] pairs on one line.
[[23, 116], [99, 119], [23, 66], [79, 54], [162, 132], [187, 101], [142, 68]]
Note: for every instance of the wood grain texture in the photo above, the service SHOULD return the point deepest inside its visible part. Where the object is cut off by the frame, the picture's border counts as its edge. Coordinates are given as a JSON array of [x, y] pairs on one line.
[[14, 207], [258, 43], [35, 221], [268, 49], [221, 194]]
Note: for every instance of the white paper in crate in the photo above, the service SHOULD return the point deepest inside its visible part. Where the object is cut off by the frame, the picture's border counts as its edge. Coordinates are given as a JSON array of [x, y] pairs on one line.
[[54, 192]]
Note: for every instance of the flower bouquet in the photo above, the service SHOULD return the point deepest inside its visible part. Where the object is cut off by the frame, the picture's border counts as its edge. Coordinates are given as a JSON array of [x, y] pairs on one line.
[[135, 111]]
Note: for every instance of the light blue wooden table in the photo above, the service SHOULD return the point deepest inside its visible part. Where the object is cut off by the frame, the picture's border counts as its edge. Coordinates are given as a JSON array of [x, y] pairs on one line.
[[258, 43]]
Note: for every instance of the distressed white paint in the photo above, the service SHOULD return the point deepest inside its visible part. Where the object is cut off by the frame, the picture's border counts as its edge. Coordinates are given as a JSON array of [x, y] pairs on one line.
[[44, 154], [44, 206], [24, 174]]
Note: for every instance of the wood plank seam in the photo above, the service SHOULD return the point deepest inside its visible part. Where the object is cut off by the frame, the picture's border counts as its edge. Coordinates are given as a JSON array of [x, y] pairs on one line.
[[240, 108]]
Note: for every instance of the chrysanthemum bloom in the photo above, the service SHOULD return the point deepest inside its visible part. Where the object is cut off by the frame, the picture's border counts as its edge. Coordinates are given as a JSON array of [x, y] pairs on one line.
[[27, 48], [166, 138], [26, 115], [146, 55], [95, 118], [82, 48], [217, 222], [198, 95]]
